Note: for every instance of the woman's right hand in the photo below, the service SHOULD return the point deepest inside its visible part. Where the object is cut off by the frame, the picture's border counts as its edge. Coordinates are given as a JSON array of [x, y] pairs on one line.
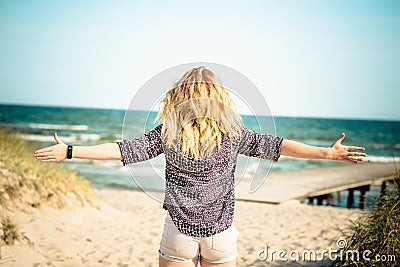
[[52, 153], [337, 151]]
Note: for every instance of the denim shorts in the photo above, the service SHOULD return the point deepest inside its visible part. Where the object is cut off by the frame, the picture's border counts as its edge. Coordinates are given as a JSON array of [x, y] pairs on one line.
[[178, 247]]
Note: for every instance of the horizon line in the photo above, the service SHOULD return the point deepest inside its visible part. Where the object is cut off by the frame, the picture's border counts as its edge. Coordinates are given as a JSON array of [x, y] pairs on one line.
[[242, 114]]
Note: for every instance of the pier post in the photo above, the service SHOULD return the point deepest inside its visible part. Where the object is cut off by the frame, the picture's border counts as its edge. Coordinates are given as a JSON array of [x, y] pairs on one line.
[[383, 189], [332, 199], [320, 199], [363, 190], [350, 198]]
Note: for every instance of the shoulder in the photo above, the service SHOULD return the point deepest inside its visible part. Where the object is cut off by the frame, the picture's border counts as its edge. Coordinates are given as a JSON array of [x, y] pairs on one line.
[[156, 129]]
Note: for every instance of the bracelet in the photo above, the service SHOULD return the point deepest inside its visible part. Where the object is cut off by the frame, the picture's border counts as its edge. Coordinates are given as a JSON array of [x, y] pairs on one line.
[[69, 152]]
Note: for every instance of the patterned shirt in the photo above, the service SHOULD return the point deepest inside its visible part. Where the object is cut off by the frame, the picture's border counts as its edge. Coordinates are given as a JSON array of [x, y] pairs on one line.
[[199, 193]]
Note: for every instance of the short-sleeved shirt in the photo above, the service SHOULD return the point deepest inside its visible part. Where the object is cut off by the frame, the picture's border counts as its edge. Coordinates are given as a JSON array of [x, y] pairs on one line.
[[199, 193]]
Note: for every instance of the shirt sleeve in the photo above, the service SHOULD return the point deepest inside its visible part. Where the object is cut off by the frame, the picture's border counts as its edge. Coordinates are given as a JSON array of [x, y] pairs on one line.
[[140, 149], [258, 145]]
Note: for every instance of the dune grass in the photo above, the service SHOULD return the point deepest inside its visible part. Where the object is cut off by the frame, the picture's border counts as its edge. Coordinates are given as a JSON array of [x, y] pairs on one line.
[[21, 173], [27, 183], [377, 233]]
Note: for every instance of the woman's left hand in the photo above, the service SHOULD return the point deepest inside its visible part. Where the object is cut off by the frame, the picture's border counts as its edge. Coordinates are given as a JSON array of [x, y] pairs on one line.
[[337, 151], [52, 153]]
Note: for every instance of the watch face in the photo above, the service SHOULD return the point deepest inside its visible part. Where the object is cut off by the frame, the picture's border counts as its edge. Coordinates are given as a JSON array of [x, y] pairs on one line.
[[69, 152]]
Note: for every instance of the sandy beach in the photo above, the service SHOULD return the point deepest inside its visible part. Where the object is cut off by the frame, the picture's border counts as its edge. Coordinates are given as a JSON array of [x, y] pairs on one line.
[[123, 228]]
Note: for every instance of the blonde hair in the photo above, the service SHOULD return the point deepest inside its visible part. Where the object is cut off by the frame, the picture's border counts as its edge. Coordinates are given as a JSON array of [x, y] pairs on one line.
[[195, 113]]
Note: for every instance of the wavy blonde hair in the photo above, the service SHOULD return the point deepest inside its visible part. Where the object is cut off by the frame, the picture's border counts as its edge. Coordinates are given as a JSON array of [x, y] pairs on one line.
[[195, 113]]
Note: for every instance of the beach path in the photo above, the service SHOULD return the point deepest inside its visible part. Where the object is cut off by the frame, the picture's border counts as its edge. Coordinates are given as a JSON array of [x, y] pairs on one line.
[[283, 186]]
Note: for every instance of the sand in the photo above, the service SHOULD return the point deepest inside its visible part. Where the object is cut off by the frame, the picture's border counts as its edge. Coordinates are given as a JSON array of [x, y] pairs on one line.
[[124, 228]]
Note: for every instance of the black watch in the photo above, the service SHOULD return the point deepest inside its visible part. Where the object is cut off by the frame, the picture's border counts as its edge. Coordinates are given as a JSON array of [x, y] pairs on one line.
[[69, 152]]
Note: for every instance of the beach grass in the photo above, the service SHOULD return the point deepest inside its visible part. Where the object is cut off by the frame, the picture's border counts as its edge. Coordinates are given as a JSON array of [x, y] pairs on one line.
[[27, 183], [377, 233], [45, 183]]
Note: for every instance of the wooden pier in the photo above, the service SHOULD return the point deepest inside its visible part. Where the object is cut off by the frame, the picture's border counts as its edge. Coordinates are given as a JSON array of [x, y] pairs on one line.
[[318, 183]]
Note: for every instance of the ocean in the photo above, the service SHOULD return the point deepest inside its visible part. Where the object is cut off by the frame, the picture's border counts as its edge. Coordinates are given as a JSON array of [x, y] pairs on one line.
[[88, 126]]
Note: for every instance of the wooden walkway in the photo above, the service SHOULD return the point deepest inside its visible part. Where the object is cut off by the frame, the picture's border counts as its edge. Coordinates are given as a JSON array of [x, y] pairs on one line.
[[283, 186]]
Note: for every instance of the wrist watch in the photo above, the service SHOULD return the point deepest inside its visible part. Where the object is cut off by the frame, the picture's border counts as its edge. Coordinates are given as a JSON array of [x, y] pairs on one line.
[[69, 152]]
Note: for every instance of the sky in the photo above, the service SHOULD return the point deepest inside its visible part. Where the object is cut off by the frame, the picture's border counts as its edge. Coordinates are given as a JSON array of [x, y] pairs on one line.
[[308, 58]]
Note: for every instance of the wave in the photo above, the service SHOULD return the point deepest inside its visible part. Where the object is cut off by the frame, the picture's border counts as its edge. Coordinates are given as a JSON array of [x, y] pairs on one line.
[[47, 126], [66, 139], [382, 159]]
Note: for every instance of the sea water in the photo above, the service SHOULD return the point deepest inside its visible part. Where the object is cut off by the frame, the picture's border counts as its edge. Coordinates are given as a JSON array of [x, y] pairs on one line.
[[89, 126]]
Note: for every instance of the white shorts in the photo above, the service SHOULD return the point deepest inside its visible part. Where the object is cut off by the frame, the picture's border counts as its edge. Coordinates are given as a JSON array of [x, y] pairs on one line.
[[178, 247]]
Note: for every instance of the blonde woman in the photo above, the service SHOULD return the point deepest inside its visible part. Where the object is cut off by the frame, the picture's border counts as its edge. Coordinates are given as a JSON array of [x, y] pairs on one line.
[[200, 136]]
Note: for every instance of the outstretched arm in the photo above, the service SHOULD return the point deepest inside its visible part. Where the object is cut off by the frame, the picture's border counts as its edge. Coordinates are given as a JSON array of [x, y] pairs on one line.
[[336, 151], [108, 151]]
